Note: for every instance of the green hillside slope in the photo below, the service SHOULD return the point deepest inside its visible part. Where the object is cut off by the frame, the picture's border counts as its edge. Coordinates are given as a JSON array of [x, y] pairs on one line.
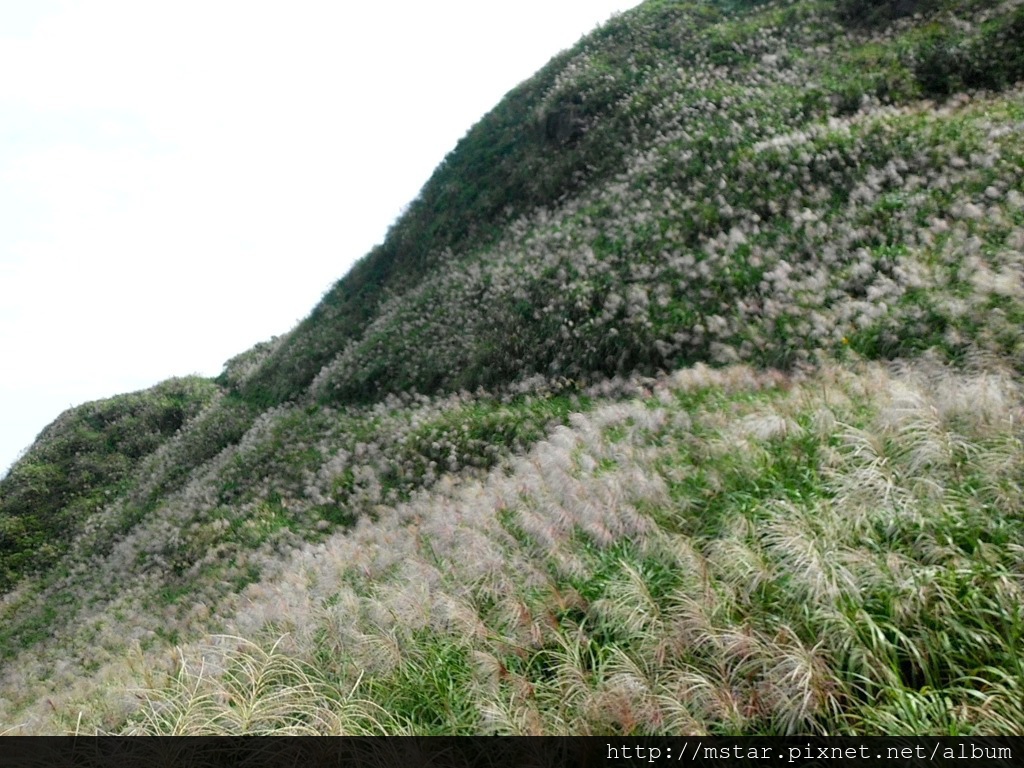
[[685, 398], [651, 139], [79, 463]]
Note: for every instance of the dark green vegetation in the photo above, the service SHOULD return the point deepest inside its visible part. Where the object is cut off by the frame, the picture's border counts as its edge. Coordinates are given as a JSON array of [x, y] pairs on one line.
[[449, 501], [81, 462]]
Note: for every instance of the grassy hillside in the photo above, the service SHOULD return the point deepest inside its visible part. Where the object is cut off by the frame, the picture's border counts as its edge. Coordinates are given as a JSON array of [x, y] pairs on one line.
[[685, 398], [80, 463], [680, 132]]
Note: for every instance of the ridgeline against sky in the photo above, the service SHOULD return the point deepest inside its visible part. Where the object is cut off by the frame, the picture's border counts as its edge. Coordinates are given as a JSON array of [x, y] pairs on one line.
[[169, 191]]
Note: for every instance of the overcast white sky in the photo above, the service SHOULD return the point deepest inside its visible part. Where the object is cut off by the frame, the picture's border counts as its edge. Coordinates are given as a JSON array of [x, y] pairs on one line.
[[180, 180]]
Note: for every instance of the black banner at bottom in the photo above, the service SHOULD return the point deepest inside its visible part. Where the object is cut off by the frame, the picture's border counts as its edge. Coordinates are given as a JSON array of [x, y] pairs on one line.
[[506, 752]]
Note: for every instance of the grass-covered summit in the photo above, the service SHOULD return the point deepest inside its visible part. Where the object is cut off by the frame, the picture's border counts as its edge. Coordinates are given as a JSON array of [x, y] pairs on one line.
[[686, 397]]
